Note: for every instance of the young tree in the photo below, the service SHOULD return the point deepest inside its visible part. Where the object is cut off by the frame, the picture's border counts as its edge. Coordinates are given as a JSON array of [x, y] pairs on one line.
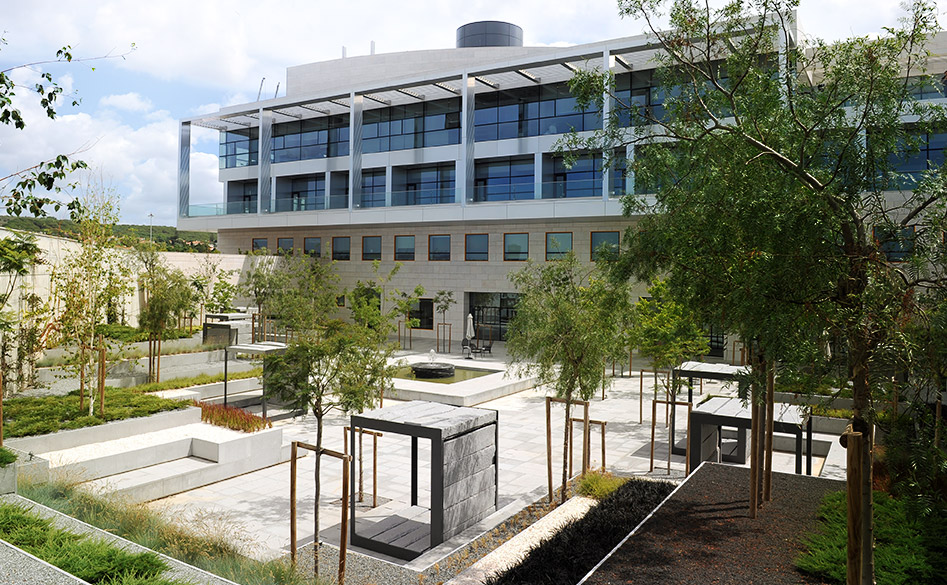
[[668, 333], [260, 283], [167, 294], [567, 322], [805, 139], [443, 301], [330, 363], [87, 282]]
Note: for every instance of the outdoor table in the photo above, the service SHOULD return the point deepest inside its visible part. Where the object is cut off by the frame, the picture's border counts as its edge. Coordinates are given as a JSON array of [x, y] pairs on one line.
[[707, 418]]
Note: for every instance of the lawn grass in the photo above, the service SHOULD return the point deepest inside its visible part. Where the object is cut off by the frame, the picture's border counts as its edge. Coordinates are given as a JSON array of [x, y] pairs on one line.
[[93, 560], [570, 553], [187, 382], [27, 416], [212, 543], [907, 550]]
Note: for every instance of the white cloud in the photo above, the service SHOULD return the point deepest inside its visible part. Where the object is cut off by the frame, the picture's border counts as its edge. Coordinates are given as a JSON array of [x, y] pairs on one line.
[[131, 102]]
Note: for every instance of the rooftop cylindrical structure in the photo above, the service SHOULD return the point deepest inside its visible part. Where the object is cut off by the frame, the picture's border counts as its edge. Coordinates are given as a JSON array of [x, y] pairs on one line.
[[489, 33]]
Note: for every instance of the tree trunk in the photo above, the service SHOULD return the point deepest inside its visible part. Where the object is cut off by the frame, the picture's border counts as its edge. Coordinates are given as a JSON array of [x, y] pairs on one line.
[[565, 449], [158, 359], [860, 395], [768, 449], [315, 523]]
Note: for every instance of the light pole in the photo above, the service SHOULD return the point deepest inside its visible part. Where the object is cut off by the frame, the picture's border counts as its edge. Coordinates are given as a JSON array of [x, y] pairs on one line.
[[151, 228]]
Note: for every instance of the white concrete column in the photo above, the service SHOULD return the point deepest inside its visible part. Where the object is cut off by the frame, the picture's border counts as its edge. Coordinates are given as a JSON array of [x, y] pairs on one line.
[[264, 187], [606, 114], [184, 169], [629, 169], [325, 203], [538, 175], [465, 174], [355, 149]]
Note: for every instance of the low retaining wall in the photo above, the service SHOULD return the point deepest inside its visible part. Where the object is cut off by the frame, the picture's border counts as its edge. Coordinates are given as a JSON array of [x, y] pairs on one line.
[[107, 432]]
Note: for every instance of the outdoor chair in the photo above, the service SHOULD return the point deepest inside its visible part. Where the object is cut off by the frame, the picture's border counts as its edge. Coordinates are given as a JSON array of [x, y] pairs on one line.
[[469, 348], [487, 347]]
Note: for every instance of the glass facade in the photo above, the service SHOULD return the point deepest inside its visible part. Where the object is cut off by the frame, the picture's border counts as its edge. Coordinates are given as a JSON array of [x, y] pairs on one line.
[[341, 248], [558, 244], [303, 193], [284, 245], [423, 311], [603, 242], [373, 188], [530, 111], [239, 148], [438, 248], [433, 123], [371, 247], [477, 247], [582, 179], [427, 185], [313, 247], [404, 248], [311, 139], [925, 152], [515, 247], [506, 179], [242, 197]]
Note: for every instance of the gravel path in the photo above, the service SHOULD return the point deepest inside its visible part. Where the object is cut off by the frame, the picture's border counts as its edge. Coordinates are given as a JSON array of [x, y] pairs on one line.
[[704, 535]]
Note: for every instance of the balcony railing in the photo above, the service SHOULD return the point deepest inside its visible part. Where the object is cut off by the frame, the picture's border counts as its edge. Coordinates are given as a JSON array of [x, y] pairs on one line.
[[587, 189]]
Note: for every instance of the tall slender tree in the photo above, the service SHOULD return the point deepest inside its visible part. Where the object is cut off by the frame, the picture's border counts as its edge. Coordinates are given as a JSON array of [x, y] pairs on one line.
[[798, 148], [567, 323]]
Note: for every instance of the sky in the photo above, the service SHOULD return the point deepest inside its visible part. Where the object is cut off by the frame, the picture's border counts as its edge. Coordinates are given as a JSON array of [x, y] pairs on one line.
[[146, 65]]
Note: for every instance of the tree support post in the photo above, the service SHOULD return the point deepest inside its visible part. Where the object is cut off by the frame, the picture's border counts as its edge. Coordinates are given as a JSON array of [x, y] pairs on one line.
[[852, 441], [343, 537]]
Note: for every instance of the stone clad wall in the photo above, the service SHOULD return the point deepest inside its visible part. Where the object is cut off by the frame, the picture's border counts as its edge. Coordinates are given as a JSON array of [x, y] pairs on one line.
[[469, 479]]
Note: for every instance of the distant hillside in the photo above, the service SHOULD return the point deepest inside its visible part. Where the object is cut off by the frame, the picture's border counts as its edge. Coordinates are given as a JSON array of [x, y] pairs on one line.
[[167, 238]]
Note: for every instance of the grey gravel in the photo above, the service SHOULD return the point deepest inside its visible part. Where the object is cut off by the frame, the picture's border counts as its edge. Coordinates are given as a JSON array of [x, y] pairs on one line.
[[176, 569], [22, 568]]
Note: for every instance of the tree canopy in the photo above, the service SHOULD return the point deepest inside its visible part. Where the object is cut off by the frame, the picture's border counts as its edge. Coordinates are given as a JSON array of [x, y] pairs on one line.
[[768, 176]]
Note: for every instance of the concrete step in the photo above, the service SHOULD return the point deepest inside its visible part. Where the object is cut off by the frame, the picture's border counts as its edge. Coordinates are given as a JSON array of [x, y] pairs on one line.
[[207, 462]]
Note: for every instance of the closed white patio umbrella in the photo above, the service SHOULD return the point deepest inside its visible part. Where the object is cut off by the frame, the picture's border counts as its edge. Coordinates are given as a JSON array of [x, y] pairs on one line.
[[470, 326]]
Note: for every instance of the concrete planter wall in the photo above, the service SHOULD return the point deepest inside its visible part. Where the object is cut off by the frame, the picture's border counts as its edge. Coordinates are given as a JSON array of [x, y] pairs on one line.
[[828, 425], [132, 372], [8, 479], [789, 397], [107, 432]]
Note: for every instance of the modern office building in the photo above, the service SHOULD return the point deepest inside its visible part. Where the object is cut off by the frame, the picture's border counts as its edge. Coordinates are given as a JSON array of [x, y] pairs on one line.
[[443, 160]]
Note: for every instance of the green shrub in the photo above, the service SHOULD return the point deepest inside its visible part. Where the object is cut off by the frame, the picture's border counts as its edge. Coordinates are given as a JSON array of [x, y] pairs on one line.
[[231, 417], [132, 334], [210, 544], [92, 560], [903, 553], [599, 484], [176, 383], [29, 416], [6, 457]]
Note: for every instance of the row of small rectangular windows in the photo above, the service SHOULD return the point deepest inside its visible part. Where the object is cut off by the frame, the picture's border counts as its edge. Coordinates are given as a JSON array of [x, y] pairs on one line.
[[476, 246]]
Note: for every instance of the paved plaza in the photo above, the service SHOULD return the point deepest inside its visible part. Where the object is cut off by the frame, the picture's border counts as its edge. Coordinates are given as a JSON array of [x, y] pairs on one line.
[[259, 501]]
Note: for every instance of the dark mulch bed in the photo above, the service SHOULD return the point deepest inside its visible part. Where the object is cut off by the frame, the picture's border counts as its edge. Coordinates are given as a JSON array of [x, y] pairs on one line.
[[703, 533], [569, 554]]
